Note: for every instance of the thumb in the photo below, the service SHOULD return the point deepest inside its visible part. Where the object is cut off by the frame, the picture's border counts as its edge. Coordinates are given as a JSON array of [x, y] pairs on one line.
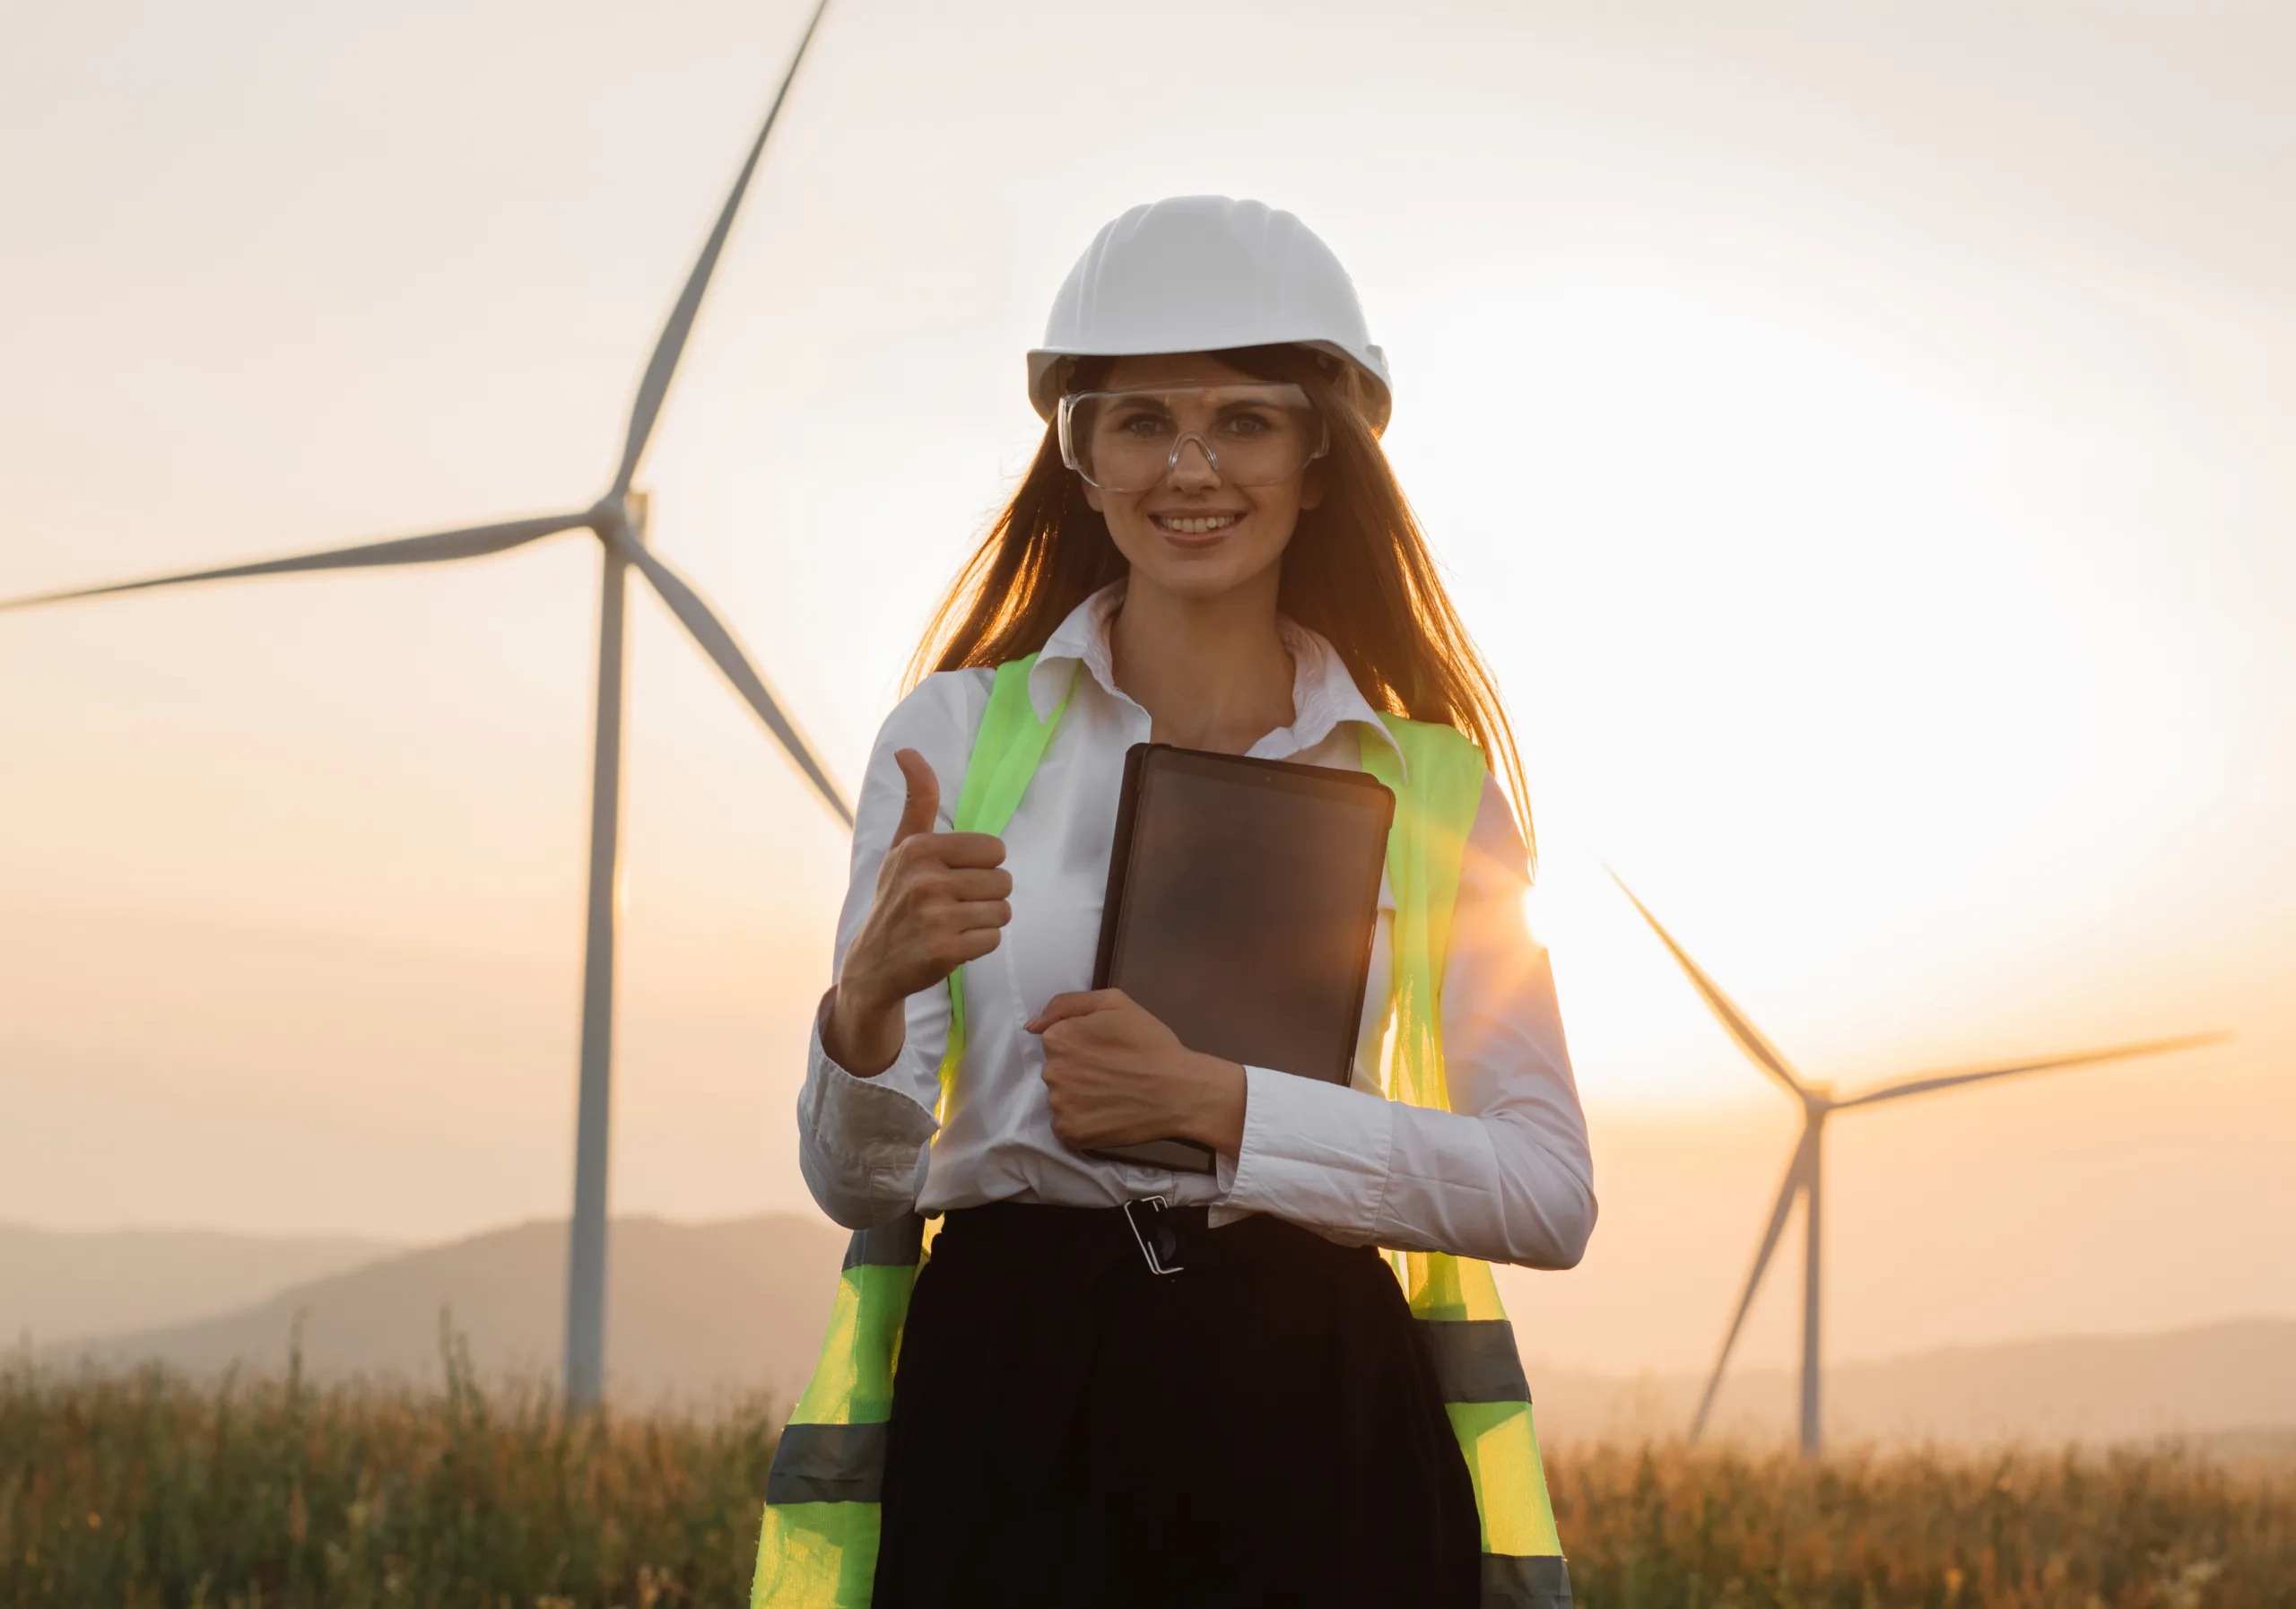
[[924, 802], [1077, 1003]]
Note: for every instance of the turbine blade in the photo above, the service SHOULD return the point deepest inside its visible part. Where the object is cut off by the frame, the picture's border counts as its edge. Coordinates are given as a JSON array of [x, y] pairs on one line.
[[711, 633], [671, 346], [1923, 1084], [438, 547], [1763, 1054], [1791, 1186]]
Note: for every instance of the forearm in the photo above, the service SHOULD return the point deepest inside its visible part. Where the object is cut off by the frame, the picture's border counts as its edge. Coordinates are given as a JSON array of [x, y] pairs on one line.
[[1492, 1188], [1369, 1171]]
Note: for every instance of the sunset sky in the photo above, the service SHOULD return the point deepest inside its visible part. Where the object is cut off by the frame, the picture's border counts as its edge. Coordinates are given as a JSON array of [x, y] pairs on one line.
[[1861, 450]]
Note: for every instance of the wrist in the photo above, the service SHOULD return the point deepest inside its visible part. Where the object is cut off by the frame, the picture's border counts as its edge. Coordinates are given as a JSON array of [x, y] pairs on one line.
[[861, 1031], [1219, 1104]]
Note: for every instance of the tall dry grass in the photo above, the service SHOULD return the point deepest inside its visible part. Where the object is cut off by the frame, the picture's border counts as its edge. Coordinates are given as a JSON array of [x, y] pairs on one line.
[[150, 1491], [2163, 1528], [268, 1495]]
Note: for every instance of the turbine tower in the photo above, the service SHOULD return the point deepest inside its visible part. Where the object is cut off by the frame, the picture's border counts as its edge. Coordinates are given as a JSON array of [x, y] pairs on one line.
[[618, 519], [1805, 1177]]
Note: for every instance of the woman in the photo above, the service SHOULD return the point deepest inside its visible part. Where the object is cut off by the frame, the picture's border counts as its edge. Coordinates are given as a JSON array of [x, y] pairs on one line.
[[1209, 551]]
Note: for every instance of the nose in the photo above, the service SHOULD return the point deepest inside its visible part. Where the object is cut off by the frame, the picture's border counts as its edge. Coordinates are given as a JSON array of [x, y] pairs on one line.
[[1188, 469]]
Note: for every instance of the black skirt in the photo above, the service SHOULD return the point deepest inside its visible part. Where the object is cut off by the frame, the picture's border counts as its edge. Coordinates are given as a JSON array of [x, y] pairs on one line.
[[1263, 1427]]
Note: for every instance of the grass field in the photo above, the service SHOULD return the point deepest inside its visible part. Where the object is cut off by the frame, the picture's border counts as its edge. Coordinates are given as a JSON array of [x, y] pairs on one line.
[[150, 1491]]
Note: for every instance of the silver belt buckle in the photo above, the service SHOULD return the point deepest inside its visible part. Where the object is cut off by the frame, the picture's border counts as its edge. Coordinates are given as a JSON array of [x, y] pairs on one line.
[[1160, 1245]]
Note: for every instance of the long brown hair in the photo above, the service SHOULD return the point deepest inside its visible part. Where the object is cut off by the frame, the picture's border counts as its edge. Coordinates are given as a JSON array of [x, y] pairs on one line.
[[1357, 572]]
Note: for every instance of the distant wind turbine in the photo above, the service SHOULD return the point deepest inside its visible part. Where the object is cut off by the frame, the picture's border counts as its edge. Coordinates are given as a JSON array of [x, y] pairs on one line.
[[1805, 1171], [618, 519]]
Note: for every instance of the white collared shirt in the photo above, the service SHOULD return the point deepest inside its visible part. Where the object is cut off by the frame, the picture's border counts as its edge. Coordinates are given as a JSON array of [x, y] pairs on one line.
[[1504, 1176]]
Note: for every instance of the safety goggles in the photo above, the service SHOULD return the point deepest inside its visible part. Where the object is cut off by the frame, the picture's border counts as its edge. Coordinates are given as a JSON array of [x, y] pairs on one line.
[[1251, 435]]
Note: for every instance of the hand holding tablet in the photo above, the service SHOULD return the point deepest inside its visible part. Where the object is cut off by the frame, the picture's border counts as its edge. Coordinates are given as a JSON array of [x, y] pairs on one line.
[[1243, 895]]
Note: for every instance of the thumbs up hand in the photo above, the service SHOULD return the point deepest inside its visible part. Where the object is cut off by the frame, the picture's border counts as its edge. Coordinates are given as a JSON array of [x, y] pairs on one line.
[[941, 899]]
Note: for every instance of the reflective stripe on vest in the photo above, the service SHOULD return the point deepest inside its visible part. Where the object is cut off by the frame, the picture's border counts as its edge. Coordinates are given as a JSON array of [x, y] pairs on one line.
[[818, 1549]]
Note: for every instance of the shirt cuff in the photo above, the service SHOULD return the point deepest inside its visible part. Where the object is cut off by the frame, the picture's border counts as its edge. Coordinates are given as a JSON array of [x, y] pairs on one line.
[[1316, 1154], [870, 1125]]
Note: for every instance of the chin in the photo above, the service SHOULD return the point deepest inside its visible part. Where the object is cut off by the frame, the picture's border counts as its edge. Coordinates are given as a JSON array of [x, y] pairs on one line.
[[1196, 576], [1198, 572]]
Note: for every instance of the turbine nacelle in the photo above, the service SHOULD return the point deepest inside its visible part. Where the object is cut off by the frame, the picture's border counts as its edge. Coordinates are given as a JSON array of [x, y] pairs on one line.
[[617, 516]]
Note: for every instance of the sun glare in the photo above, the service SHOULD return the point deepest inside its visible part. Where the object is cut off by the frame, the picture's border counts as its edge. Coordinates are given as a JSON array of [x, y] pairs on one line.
[[1787, 632]]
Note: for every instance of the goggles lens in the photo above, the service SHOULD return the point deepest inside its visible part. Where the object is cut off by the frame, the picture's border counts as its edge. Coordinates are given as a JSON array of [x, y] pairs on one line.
[[1251, 435]]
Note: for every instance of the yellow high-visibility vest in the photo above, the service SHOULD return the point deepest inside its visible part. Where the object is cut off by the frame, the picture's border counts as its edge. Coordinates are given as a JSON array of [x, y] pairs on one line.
[[818, 1548]]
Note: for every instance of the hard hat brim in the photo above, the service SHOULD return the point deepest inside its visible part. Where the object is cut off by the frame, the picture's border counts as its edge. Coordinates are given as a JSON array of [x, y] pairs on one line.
[[1049, 369]]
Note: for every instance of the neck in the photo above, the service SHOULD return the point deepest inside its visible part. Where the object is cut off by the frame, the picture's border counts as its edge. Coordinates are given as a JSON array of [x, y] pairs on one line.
[[1210, 671]]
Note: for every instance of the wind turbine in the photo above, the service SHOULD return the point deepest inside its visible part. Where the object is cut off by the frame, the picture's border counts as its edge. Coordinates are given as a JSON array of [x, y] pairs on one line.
[[1804, 1171], [618, 519]]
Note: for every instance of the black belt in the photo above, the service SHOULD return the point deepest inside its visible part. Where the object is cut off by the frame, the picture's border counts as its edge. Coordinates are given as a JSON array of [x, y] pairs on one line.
[[1160, 1235]]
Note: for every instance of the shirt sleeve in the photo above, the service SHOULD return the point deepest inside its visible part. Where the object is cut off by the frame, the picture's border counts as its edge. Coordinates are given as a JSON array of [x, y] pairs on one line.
[[1504, 1175], [861, 1141]]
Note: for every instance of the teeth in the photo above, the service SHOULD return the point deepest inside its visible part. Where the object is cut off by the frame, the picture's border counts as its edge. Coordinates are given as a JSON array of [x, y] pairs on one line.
[[1186, 526]]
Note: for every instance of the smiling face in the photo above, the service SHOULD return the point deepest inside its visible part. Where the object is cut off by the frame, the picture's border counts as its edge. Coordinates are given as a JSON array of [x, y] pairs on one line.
[[1195, 532]]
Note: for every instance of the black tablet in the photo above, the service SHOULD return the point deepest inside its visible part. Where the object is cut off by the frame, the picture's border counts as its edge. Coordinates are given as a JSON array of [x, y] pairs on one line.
[[1242, 899]]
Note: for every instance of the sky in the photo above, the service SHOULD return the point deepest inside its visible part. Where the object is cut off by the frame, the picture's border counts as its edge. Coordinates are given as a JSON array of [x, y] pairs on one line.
[[1856, 439]]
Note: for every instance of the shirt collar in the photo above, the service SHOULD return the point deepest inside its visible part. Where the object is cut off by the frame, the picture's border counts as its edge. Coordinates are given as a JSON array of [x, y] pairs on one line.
[[1323, 694]]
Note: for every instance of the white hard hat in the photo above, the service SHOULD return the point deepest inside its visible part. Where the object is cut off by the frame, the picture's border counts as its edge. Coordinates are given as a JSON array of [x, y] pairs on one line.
[[1204, 274]]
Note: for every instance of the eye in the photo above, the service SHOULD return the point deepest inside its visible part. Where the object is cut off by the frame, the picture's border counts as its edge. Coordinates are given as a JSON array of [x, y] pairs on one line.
[[1140, 422], [1250, 427]]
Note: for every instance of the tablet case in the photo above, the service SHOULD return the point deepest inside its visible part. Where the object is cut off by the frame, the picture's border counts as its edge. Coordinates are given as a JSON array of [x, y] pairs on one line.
[[1242, 899]]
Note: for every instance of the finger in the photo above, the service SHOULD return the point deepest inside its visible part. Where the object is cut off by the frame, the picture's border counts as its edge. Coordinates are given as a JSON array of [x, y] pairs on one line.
[[1078, 1003], [975, 942], [972, 914], [978, 884], [923, 805], [973, 849]]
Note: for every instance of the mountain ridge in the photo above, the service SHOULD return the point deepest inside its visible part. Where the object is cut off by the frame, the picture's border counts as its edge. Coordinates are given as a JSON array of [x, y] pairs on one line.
[[698, 1313], [63, 1284], [692, 1310], [2206, 1381]]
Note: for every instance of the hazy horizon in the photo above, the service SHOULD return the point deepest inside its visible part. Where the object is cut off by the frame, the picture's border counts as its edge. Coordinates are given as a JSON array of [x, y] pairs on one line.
[[702, 1316], [1860, 445]]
